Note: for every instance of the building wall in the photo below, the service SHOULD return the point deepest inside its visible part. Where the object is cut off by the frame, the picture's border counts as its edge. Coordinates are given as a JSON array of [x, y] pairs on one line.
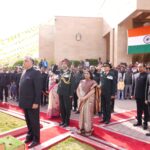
[[91, 44], [46, 42], [143, 5], [59, 41], [117, 26], [120, 53], [116, 11]]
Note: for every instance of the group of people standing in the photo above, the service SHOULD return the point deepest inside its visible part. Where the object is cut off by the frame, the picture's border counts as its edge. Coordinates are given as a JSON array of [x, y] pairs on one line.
[[87, 90], [80, 91], [9, 84]]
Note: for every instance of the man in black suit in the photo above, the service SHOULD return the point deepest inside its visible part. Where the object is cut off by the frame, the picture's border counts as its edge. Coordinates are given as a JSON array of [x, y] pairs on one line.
[[44, 77], [138, 92], [29, 100], [108, 88], [115, 73], [65, 92], [147, 98]]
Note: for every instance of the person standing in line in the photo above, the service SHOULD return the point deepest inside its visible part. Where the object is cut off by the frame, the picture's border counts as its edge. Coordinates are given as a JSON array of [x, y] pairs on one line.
[[17, 80], [45, 63], [53, 101], [4, 82], [128, 83], [108, 88], [115, 74], [120, 87], [78, 76], [29, 100], [44, 77], [138, 93], [147, 97], [86, 94], [65, 92]]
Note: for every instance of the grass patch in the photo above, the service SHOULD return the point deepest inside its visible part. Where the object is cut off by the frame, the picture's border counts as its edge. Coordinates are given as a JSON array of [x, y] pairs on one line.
[[71, 144], [8, 122], [11, 143]]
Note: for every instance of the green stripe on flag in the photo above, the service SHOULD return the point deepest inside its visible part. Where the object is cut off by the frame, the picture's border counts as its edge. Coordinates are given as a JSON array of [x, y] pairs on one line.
[[139, 49]]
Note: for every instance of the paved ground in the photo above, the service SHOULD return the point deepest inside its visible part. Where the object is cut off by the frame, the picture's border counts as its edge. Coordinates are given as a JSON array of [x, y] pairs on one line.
[[126, 127]]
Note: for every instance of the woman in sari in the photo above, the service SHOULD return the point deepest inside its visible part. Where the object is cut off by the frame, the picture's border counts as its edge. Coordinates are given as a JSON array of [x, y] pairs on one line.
[[53, 102], [86, 94]]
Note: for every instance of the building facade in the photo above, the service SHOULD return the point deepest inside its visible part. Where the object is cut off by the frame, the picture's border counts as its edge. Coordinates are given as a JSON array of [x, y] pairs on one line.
[[79, 38]]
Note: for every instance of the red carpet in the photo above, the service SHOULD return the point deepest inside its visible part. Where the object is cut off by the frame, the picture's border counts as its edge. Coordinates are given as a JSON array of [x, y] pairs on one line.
[[15, 133], [120, 140], [117, 117], [116, 138], [49, 133]]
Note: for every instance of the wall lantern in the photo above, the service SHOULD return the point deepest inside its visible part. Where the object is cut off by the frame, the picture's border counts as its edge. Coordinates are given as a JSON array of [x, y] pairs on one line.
[[78, 36]]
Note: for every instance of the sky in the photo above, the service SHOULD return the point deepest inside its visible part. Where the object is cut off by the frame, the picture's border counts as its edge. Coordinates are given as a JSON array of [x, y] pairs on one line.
[[18, 15]]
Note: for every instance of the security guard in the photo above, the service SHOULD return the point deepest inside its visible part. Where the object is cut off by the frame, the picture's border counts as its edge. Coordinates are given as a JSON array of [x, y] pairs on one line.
[[65, 92], [107, 84]]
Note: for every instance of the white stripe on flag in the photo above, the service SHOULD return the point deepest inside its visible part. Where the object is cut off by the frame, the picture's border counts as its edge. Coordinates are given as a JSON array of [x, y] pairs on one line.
[[136, 40]]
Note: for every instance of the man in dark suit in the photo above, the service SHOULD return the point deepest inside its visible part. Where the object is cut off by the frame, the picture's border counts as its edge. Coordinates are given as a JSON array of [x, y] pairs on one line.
[[65, 92], [115, 73], [108, 86], [147, 98], [138, 92], [29, 100], [44, 77]]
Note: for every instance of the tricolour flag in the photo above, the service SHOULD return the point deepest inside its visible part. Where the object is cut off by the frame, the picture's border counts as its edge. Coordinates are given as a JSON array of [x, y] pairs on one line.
[[139, 40]]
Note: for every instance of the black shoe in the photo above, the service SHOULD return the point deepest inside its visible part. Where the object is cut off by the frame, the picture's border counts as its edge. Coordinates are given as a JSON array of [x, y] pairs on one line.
[[77, 112], [145, 126], [107, 122], [147, 134], [61, 124], [28, 139], [34, 143], [65, 125], [137, 124], [74, 110], [102, 121]]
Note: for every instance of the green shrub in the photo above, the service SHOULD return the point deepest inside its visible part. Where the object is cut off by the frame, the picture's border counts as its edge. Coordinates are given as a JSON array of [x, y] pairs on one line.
[[75, 62], [93, 62], [18, 63]]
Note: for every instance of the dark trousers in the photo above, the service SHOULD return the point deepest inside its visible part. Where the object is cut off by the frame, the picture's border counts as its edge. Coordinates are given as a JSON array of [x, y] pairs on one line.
[[106, 107], [142, 108], [17, 91], [43, 99], [112, 104], [5, 88], [65, 108], [75, 101], [33, 123]]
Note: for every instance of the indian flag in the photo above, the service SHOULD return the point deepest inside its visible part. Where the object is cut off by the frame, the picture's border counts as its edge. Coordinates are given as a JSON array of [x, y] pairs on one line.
[[139, 40]]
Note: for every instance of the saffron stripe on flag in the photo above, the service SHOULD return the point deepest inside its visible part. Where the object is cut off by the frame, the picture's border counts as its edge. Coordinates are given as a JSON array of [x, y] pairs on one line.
[[139, 31]]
